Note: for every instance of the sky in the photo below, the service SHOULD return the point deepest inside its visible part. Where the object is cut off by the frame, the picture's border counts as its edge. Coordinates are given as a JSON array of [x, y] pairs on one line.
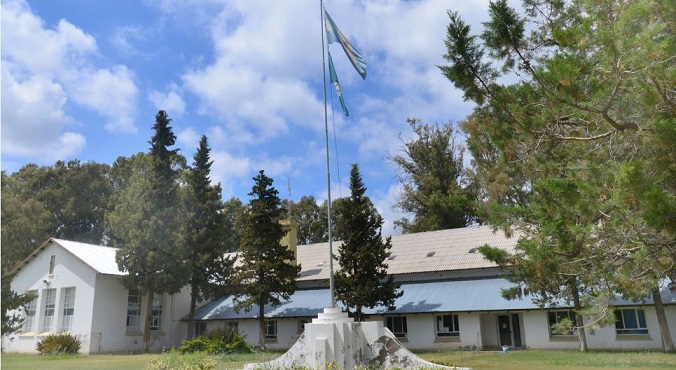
[[84, 80]]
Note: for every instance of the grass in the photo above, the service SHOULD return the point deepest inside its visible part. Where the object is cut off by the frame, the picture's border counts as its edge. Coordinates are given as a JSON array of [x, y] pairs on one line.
[[516, 360]]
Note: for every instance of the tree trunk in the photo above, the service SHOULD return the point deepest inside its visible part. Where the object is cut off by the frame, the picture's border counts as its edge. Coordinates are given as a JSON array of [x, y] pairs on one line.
[[191, 314], [667, 343], [148, 320], [261, 325], [579, 323]]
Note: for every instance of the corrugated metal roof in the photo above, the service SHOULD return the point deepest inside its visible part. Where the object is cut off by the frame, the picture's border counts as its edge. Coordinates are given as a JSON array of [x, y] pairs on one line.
[[100, 258], [445, 296], [426, 297], [453, 249]]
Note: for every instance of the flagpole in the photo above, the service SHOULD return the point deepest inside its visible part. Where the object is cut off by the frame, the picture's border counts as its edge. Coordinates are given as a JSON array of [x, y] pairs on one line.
[[328, 166]]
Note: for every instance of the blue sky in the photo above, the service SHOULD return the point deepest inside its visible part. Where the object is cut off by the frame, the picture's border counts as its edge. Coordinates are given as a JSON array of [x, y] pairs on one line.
[[84, 79]]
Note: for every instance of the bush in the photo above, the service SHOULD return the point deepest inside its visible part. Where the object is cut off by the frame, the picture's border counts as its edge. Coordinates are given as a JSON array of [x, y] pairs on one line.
[[59, 344], [222, 340]]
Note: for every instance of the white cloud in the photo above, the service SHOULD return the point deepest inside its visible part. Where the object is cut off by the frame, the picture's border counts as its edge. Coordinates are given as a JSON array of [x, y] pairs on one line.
[[34, 124], [62, 56], [171, 101]]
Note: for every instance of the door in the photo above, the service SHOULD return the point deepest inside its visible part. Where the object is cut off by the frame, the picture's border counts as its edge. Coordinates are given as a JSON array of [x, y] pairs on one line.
[[509, 329], [505, 330]]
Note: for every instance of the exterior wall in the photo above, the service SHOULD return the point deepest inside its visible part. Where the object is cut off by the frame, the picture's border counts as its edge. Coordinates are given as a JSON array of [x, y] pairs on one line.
[[480, 331], [109, 332], [68, 272], [100, 309], [537, 333]]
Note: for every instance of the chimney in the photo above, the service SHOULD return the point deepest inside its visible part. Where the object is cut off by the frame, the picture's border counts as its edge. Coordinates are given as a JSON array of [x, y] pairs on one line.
[[290, 239]]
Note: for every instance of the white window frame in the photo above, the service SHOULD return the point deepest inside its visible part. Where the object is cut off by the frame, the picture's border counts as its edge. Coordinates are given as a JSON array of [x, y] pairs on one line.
[[559, 315], [68, 308], [271, 329], [156, 320], [49, 297], [447, 326], [30, 310], [398, 325], [624, 317], [134, 300]]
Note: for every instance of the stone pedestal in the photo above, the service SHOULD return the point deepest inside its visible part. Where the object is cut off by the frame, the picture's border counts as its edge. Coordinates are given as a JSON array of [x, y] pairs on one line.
[[334, 340]]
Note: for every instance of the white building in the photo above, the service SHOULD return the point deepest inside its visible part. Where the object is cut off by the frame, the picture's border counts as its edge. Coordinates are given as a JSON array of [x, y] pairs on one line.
[[452, 300], [78, 291]]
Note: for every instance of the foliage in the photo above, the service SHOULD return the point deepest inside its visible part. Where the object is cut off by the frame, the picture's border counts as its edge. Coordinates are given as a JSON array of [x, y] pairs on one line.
[[10, 304], [437, 188], [362, 279], [577, 154], [145, 226], [204, 234], [234, 212], [310, 217], [222, 340], [59, 344], [267, 274], [178, 361]]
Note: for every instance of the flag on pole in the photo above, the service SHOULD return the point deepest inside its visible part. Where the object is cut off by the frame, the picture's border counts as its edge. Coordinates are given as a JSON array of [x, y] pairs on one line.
[[333, 34], [336, 84]]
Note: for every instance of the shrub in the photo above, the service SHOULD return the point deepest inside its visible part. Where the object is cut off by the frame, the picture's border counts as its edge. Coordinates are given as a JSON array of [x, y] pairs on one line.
[[59, 344], [222, 340]]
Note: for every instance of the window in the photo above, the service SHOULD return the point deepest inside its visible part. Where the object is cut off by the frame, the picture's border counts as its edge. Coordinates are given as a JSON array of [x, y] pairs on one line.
[[630, 321], [200, 328], [301, 325], [68, 308], [270, 329], [561, 322], [30, 307], [134, 310], [233, 326], [448, 326], [397, 325], [50, 305], [156, 321], [52, 261]]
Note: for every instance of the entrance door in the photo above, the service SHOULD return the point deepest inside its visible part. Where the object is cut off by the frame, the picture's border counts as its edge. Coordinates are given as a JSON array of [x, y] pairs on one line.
[[505, 330], [509, 329]]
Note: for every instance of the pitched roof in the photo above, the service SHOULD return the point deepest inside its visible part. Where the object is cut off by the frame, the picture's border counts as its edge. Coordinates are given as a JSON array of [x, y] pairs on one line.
[[101, 259], [419, 297], [432, 251]]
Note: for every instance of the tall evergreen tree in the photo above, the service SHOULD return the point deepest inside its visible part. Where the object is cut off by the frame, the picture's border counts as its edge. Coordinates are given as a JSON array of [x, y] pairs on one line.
[[204, 234], [362, 280], [437, 189], [145, 224], [268, 272], [557, 152]]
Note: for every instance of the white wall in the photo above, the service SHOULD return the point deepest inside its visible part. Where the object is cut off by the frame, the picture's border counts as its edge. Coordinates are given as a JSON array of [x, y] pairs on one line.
[[109, 333], [68, 272]]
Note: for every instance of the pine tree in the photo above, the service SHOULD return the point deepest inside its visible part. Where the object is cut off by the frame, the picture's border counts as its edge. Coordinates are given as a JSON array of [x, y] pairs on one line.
[[268, 272], [569, 153], [145, 224], [437, 189], [204, 234], [362, 279]]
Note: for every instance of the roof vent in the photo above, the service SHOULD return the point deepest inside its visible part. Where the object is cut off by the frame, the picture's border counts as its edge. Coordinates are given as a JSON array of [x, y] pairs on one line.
[[430, 254], [473, 250]]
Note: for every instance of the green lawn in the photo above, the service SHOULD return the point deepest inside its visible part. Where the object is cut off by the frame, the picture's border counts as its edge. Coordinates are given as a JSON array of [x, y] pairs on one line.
[[517, 360]]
